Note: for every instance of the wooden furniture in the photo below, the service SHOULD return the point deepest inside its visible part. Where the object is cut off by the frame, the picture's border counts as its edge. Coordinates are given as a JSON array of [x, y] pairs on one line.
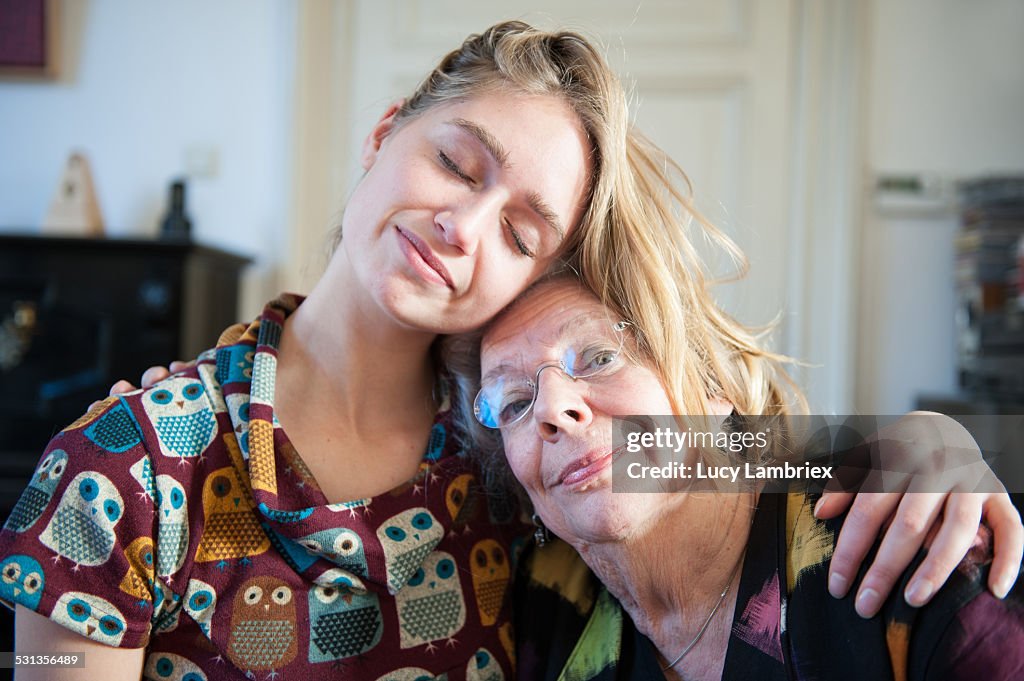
[[90, 311]]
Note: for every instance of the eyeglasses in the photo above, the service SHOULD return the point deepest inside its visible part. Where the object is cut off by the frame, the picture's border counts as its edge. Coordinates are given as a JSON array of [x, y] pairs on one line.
[[506, 396]]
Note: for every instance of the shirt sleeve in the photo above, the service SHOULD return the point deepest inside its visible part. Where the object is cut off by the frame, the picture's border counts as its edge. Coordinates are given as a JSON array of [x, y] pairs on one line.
[[983, 640], [78, 546]]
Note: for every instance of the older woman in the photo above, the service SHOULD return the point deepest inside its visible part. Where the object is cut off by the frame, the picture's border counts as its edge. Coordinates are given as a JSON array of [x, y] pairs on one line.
[[694, 586]]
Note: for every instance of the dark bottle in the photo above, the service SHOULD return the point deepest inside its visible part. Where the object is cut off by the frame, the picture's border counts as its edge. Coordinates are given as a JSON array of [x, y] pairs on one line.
[[176, 225]]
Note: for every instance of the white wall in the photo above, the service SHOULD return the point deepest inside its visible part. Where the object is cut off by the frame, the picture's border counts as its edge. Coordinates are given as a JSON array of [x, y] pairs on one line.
[[945, 97], [139, 84]]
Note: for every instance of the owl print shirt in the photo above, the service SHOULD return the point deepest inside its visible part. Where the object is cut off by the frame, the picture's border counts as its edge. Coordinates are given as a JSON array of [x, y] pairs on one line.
[[180, 518]]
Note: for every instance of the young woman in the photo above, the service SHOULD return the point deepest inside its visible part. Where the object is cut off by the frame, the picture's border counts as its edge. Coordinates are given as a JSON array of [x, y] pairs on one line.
[[177, 531]]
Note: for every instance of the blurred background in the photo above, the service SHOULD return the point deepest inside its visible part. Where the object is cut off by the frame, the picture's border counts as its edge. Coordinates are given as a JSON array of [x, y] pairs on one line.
[[828, 137]]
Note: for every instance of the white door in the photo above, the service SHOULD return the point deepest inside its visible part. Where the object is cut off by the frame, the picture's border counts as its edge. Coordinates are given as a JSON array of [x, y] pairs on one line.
[[719, 84]]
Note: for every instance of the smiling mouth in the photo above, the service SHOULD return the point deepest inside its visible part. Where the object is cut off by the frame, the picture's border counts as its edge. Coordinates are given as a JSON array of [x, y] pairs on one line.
[[423, 256], [583, 469]]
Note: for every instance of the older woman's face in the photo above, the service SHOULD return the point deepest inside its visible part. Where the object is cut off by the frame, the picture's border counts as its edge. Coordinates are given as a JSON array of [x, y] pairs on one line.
[[561, 452]]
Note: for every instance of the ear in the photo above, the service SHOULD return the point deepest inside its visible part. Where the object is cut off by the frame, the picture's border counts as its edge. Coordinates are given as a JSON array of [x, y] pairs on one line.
[[373, 141]]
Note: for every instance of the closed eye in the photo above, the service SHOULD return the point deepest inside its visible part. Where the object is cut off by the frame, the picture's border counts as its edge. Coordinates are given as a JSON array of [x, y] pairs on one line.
[[518, 240], [453, 167]]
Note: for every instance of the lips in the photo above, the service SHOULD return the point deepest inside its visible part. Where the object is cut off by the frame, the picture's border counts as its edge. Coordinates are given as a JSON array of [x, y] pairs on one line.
[[424, 252], [586, 467]]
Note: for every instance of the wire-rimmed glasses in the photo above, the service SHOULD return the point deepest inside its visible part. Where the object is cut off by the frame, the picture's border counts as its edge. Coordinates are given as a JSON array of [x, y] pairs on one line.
[[507, 394]]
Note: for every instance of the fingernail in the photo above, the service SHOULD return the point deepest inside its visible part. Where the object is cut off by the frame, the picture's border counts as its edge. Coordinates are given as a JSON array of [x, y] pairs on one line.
[[817, 506], [838, 584], [1003, 588], [919, 592], [868, 603]]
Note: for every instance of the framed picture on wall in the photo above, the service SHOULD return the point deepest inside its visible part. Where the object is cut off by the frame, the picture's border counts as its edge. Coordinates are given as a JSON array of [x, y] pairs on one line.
[[27, 38]]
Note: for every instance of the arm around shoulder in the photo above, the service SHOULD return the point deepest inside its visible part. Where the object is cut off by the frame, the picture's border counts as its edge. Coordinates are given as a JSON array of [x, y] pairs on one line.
[[35, 633]]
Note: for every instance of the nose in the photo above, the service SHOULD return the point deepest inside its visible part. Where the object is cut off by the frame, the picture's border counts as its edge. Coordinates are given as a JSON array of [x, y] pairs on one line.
[[464, 225], [560, 407]]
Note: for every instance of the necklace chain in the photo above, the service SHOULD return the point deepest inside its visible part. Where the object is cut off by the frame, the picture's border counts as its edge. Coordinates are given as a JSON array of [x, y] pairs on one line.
[[707, 622], [721, 599]]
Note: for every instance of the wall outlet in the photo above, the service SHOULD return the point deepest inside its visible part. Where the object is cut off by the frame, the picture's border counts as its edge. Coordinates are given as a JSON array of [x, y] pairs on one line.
[[913, 194]]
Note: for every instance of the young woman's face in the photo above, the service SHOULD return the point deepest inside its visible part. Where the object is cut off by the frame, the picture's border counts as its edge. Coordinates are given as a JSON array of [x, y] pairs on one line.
[[562, 450], [463, 206]]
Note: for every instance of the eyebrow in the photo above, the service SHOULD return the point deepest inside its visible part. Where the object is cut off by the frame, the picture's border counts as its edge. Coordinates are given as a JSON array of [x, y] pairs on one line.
[[541, 208], [500, 155], [490, 142]]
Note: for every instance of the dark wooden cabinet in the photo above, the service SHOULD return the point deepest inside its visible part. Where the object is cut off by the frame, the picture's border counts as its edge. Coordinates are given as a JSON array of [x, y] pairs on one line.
[[78, 313]]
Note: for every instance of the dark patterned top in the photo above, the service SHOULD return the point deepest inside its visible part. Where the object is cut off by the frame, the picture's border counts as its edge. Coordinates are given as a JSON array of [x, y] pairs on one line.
[[785, 626], [180, 518]]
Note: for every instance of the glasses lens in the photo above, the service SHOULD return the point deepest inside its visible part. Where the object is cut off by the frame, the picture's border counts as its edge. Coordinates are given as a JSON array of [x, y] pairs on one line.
[[505, 399]]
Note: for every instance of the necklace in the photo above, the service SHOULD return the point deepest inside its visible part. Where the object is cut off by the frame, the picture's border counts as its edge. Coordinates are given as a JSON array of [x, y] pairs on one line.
[[711, 616], [721, 599]]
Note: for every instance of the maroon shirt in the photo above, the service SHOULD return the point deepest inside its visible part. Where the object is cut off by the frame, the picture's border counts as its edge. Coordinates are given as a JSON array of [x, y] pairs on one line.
[[181, 518]]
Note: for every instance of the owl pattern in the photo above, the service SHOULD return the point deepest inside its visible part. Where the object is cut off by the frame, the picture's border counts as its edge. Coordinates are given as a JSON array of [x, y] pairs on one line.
[[431, 605], [238, 409], [281, 516], [234, 364], [264, 371], [341, 546], [258, 629], [483, 667], [293, 553], [182, 416], [214, 393], [82, 526], [339, 577], [172, 525], [407, 538], [200, 602], [166, 608], [294, 464], [138, 580], [142, 471], [231, 530], [22, 580], [162, 666], [91, 616], [262, 463], [115, 431], [342, 622], [263, 629], [39, 492], [491, 574], [352, 507], [461, 500]]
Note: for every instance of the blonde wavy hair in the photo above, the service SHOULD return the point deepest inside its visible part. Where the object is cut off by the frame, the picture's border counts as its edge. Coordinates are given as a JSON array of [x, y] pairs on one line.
[[635, 247]]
